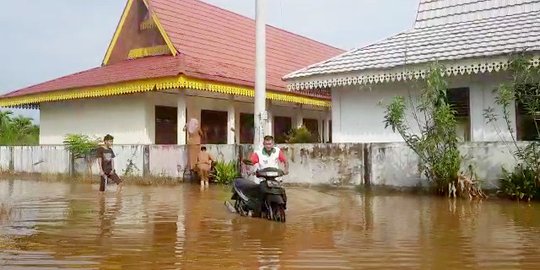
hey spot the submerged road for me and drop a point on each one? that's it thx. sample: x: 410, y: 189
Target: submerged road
x: 70, y: 226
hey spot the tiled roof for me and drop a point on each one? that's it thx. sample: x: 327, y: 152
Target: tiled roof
x: 445, y: 30
x: 224, y: 42
x: 439, y: 12
x: 212, y: 43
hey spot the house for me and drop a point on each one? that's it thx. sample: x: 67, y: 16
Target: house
x: 170, y: 61
x: 471, y: 38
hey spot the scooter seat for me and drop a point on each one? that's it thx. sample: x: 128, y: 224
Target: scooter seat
x: 248, y: 187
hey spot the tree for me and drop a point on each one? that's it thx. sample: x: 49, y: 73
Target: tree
x: 17, y: 130
x: 436, y: 143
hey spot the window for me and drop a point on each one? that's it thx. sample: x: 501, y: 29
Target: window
x: 527, y: 121
x: 458, y: 98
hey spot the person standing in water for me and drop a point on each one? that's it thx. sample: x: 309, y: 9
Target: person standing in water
x: 195, y: 135
x: 204, y: 164
x: 105, y: 160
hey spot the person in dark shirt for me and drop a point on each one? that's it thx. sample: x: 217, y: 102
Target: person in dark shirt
x: 105, y: 159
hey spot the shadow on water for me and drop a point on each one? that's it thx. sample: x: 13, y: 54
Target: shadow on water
x: 59, y: 225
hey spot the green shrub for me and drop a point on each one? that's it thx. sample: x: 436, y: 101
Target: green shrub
x: 225, y: 172
x: 81, y: 146
x: 519, y: 184
x: 523, y: 89
x: 301, y: 135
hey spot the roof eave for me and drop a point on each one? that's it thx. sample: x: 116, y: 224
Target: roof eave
x: 456, y: 67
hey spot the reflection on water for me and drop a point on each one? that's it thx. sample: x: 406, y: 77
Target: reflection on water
x: 71, y: 226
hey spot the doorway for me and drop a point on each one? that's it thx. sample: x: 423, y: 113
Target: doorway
x: 166, y: 125
x: 247, y: 130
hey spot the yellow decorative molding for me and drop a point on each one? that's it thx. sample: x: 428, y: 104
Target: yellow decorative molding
x: 197, y: 84
x: 160, y: 28
x: 148, y: 51
x: 147, y: 24
x: 138, y: 86
x: 119, y: 27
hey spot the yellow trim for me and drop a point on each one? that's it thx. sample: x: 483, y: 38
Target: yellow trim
x: 119, y: 27
x: 138, y: 86
x: 161, y: 30
x: 147, y: 24
x: 210, y: 86
x: 148, y: 51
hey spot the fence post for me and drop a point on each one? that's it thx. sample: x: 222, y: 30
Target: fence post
x: 11, y: 159
x: 146, y: 160
x: 71, y: 163
x: 367, y: 164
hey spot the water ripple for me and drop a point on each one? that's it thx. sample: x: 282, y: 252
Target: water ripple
x: 61, y: 226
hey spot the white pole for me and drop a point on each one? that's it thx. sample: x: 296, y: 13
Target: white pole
x: 260, y: 73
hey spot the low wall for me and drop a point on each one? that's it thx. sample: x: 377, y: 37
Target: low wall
x: 391, y: 164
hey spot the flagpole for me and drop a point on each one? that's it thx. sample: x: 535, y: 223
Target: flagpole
x: 260, y: 114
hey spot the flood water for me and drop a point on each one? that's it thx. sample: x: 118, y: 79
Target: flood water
x: 70, y: 226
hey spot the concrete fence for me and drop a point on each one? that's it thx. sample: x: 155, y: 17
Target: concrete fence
x: 390, y: 164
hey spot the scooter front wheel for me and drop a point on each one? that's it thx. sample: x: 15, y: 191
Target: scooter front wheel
x: 279, y: 213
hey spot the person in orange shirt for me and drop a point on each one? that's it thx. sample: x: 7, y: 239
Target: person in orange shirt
x: 204, y: 164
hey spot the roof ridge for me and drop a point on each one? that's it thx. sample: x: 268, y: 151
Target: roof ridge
x: 460, y: 40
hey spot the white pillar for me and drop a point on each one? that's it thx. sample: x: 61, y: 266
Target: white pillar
x: 231, y: 122
x: 260, y: 73
x: 320, y: 128
x: 237, y: 127
x: 269, y: 129
x: 336, y: 117
x: 327, y: 128
x: 181, y: 118
x: 299, y: 117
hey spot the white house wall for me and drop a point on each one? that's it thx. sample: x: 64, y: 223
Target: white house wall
x: 131, y: 118
x: 358, y: 113
x: 121, y: 116
x: 358, y: 116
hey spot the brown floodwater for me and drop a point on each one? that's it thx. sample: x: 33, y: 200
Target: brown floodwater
x: 70, y: 226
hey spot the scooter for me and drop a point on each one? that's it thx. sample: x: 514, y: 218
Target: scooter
x: 265, y: 200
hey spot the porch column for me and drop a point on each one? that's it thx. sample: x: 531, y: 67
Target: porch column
x: 181, y: 118
x: 299, y: 116
x: 269, y: 129
x: 320, y: 127
x: 327, y: 128
x: 231, y: 122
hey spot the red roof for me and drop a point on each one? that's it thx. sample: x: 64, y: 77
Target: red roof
x: 143, y: 68
x: 213, y: 44
x: 213, y: 34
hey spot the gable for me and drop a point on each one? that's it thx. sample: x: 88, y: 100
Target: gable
x: 220, y: 44
x: 138, y: 35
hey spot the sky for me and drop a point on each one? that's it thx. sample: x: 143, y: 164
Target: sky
x: 44, y: 40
